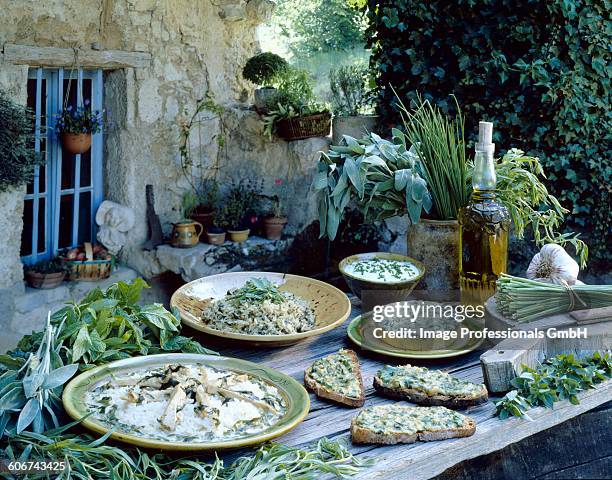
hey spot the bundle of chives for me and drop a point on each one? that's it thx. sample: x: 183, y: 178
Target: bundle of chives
x: 524, y: 300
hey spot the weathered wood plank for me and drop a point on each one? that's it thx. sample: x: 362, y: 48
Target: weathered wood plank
x: 65, y: 57
x: 416, y: 461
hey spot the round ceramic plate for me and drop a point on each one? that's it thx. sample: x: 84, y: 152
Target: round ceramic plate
x: 360, y: 333
x: 331, y: 306
x: 296, y: 398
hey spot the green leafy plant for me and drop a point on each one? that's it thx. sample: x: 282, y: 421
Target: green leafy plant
x: 30, y: 388
x: 242, y: 198
x: 521, y: 188
x: 18, y: 157
x: 89, y: 457
x: 380, y: 176
x: 532, y: 81
x: 559, y: 378
x: 439, y: 141
x: 110, y: 325
x: 258, y: 290
x: 350, y: 92
x: 55, y: 265
x: 264, y: 69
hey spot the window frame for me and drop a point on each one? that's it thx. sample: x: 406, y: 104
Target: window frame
x: 53, y: 191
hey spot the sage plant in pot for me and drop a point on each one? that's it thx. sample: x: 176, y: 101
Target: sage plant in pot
x: 264, y: 70
x: 275, y: 222
x: 76, y: 126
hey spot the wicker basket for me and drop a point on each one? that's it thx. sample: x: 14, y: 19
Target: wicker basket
x: 298, y: 128
x: 90, y: 269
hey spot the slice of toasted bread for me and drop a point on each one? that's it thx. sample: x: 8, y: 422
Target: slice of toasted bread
x: 349, y: 367
x: 391, y: 424
x: 411, y: 383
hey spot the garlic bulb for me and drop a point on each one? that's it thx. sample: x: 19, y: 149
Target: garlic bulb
x: 553, y: 265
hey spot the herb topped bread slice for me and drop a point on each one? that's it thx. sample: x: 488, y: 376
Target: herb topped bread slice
x: 390, y: 424
x: 337, y: 377
x: 428, y: 387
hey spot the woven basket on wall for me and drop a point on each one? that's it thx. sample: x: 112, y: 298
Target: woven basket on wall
x: 298, y: 128
x: 89, y: 269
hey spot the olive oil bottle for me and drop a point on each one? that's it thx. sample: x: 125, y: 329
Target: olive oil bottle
x: 483, y: 227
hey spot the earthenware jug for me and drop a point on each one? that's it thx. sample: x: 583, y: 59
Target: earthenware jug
x: 186, y: 234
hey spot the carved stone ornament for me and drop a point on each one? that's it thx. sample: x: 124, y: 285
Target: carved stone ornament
x: 115, y: 221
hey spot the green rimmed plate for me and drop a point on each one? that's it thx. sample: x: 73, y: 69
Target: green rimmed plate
x: 361, y: 334
x: 296, y: 397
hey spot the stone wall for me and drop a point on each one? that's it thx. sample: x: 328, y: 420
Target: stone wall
x: 196, y: 49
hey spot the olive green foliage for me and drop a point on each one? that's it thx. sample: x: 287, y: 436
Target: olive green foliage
x: 264, y: 69
x: 538, y: 69
x: 350, y: 90
x: 17, y: 155
x: 380, y: 176
x: 243, y: 198
x: 313, y: 26
x: 55, y: 265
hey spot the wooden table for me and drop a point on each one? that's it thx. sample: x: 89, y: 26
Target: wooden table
x: 420, y: 460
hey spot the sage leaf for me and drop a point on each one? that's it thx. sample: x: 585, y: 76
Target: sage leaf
x: 81, y: 345
x: 28, y: 414
x: 59, y: 376
x: 14, y: 399
x: 32, y: 383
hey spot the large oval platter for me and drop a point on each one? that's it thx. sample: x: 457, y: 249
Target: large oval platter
x: 331, y: 306
x: 295, y: 396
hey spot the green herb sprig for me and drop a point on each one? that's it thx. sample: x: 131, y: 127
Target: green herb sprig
x: 257, y: 290
x: 559, y: 378
x: 89, y: 457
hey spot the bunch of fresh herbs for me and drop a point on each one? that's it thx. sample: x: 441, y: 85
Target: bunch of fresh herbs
x: 559, y: 378
x: 380, y: 176
x: 31, y: 385
x: 87, y: 457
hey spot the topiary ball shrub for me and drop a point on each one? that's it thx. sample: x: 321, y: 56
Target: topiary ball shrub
x: 264, y: 69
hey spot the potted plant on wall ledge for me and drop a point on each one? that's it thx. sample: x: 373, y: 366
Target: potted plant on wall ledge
x: 275, y: 222
x: 265, y: 70
x: 295, y: 114
x: 199, y: 204
x: 46, y: 274
x: 241, y: 203
x: 76, y: 126
x: 352, y: 101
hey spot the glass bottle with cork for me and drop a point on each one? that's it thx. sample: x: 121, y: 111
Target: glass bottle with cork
x: 483, y: 227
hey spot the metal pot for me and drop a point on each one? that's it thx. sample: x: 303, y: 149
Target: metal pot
x: 185, y: 234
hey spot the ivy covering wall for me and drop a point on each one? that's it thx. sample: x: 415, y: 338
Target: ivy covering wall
x: 539, y: 69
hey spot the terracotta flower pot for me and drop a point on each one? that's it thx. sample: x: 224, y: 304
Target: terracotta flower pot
x: 76, y: 143
x: 273, y: 227
x: 203, y: 218
x: 44, y: 280
x: 215, y: 238
x: 239, y: 236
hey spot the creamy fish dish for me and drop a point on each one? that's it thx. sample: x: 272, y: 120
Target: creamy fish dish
x: 383, y: 270
x: 186, y: 403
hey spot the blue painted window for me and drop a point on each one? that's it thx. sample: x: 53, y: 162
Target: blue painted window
x: 61, y: 201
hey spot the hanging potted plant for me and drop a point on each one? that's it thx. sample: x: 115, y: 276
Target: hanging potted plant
x: 295, y: 114
x: 275, y: 222
x: 76, y: 126
x: 46, y: 274
x: 352, y: 102
x: 265, y: 70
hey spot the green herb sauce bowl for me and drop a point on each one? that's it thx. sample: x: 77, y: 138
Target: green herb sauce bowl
x: 374, y: 292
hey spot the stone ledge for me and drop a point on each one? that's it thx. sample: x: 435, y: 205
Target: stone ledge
x: 205, y: 259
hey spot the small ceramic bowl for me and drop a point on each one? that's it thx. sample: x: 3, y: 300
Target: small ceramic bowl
x: 373, y: 292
